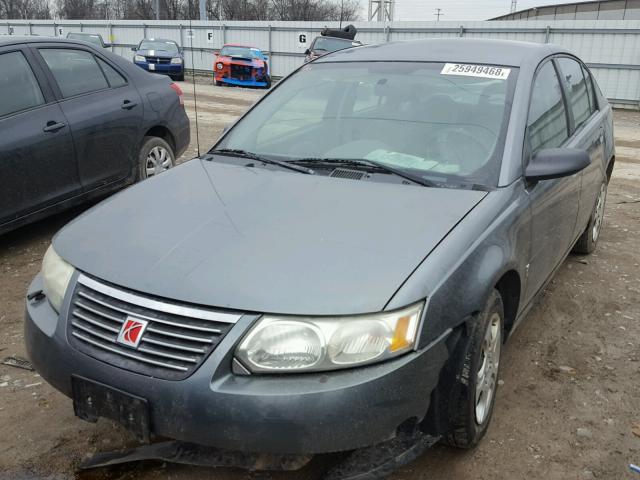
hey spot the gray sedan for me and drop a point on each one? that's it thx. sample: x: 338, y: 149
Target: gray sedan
x: 346, y: 262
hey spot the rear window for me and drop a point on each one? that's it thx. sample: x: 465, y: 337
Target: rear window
x: 76, y: 71
x: 19, y: 89
x: 114, y: 78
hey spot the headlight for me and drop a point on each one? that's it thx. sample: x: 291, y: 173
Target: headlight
x: 56, y: 274
x: 139, y: 58
x: 176, y: 61
x: 219, y: 66
x: 281, y: 344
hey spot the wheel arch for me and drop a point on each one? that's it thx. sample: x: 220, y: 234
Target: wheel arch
x: 164, y: 133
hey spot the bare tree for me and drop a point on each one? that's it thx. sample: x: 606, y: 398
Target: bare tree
x: 286, y: 10
x: 25, y: 9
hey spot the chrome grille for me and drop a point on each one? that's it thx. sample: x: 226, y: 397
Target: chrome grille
x: 158, y: 60
x: 176, y: 341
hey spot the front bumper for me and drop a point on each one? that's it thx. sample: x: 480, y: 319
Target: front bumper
x: 242, y: 83
x: 303, y: 413
x: 168, y: 68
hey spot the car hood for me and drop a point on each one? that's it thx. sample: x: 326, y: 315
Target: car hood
x: 157, y: 53
x: 252, y: 62
x: 263, y: 240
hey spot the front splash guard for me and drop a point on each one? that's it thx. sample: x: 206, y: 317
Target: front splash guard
x: 370, y: 463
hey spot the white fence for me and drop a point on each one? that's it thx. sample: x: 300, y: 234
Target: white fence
x: 610, y: 48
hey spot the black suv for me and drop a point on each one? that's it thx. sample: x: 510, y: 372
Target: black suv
x: 77, y: 122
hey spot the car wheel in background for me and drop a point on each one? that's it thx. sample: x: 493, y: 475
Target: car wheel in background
x: 156, y: 156
x: 589, y: 238
x: 268, y: 85
x: 474, y: 395
x: 180, y: 78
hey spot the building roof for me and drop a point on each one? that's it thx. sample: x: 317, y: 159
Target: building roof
x: 462, y: 50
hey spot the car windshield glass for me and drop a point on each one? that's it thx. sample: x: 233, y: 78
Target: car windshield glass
x: 444, y: 126
x: 170, y: 47
x: 331, y: 44
x: 244, y: 52
x: 95, y: 39
x: 327, y: 44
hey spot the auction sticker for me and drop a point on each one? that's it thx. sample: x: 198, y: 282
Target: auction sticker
x: 484, y: 71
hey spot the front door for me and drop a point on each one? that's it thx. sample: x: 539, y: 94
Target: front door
x: 554, y: 203
x: 37, y: 160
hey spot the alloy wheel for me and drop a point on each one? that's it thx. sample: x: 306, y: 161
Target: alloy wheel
x: 158, y: 160
x: 598, y: 214
x: 487, y: 375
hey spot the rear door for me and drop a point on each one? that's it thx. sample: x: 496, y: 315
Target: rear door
x: 103, y: 108
x: 554, y: 203
x: 37, y: 159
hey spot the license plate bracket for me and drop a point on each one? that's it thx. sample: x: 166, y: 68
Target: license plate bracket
x: 92, y: 400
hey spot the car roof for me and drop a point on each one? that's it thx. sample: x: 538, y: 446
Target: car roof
x: 462, y: 50
x: 238, y: 45
x: 17, y: 39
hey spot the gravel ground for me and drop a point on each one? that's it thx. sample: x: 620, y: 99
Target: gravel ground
x: 570, y: 389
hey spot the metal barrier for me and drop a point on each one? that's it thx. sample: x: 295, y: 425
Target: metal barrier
x: 611, y: 48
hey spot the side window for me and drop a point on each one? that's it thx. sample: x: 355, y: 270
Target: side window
x: 547, y: 123
x: 576, y: 87
x: 75, y: 71
x: 19, y: 89
x: 114, y: 78
x: 593, y: 101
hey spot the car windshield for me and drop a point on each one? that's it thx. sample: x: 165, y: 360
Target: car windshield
x: 95, y: 39
x: 161, y: 45
x: 445, y: 126
x: 244, y: 52
x: 327, y: 44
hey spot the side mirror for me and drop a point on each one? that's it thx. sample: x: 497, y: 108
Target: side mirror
x: 265, y: 58
x: 106, y: 45
x: 307, y: 51
x: 134, y: 49
x: 556, y: 163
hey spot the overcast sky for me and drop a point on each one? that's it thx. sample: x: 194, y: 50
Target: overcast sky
x: 459, y: 9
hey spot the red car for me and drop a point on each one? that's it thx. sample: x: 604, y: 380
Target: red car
x: 241, y: 65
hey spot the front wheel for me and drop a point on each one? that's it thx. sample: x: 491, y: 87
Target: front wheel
x: 156, y: 156
x: 477, y: 377
x: 268, y: 81
x: 589, y: 238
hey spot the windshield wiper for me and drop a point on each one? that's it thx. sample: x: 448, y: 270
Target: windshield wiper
x: 254, y: 156
x: 354, y: 162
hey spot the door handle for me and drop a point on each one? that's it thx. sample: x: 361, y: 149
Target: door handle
x: 128, y: 105
x: 53, y: 126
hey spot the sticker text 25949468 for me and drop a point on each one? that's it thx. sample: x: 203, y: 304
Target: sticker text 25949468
x: 484, y: 71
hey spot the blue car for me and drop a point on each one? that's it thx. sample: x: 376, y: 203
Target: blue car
x: 160, y: 56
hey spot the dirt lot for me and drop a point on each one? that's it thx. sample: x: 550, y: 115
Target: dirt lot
x: 570, y: 391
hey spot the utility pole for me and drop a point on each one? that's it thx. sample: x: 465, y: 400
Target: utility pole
x: 157, y: 8
x: 438, y: 14
x: 341, y: 12
x: 203, y: 9
x: 381, y: 10
x: 514, y: 5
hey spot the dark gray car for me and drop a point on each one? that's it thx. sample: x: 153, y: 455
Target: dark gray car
x: 77, y: 122
x: 346, y: 262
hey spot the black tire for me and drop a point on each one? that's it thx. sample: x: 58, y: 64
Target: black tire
x: 180, y: 78
x: 268, y: 85
x: 466, y: 429
x: 148, y: 144
x: 587, y: 242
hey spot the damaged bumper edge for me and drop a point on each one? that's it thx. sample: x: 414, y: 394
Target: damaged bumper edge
x: 285, y: 414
